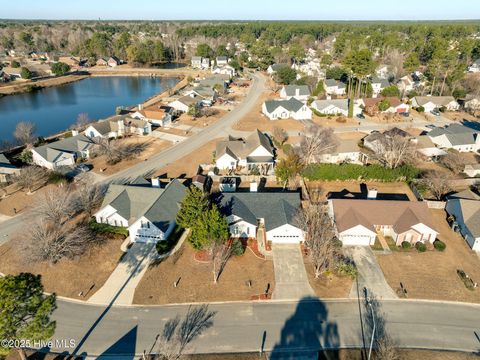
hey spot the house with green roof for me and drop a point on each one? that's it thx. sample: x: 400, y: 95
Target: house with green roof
x: 149, y: 213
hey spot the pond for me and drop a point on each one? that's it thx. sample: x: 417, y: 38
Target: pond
x: 54, y: 109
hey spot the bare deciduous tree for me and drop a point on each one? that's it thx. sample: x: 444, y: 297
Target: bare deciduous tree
x: 116, y: 151
x: 316, y: 141
x: 319, y: 237
x: 56, y: 205
x: 178, y: 334
x: 25, y: 132
x: 438, y: 183
x: 82, y: 120
x: 220, y: 252
x: 280, y: 135
x: 31, y: 178
x: 393, y: 151
x: 88, y: 195
x: 453, y: 161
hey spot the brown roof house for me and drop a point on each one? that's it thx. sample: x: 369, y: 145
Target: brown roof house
x: 157, y: 115
x: 359, y: 221
x: 371, y: 105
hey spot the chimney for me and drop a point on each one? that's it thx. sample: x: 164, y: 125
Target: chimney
x: 140, y: 107
x: 372, y: 194
x: 297, y: 92
x: 155, y: 182
x: 74, y: 132
x: 253, y: 186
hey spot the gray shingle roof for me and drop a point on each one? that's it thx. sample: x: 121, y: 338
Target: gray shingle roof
x: 238, y: 148
x: 291, y: 90
x: 289, y: 105
x: 437, y: 100
x: 160, y: 206
x: 457, y: 134
x: 470, y: 213
x: 70, y: 145
x: 331, y: 82
x: 276, y: 209
x: 339, y: 103
x: 4, y: 162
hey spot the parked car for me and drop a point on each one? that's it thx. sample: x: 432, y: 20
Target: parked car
x: 430, y: 126
x: 361, y: 116
x: 435, y: 112
x: 404, y: 114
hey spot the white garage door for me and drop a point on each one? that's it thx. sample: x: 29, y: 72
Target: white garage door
x: 286, y: 239
x: 356, y: 240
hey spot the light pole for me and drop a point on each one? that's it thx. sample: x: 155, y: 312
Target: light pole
x: 367, y: 299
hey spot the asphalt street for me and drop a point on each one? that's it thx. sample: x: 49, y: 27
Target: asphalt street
x: 309, y: 324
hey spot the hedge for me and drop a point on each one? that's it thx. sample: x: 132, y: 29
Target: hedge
x: 439, y: 245
x: 107, y: 229
x: 406, y: 245
x: 421, y: 247
x: 356, y: 172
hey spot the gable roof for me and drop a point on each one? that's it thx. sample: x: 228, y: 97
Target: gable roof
x: 393, y: 100
x: 338, y: 103
x: 466, y: 194
x: 160, y: 206
x: 276, y: 209
x: 383, y: 82
x: 289, y: 105
x: 4, y: 162
x: 470, y: 210
x: 276, y: 67
x: 452, y: 129
x: 291, y: 90
x: 437, y: 100
x: 154, y: 112
x: 402, y: 215
x: 240, y: 149
x: 70, y: 145
x: 105, y: 126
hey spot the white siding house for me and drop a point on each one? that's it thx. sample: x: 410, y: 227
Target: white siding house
x: 285, y: 109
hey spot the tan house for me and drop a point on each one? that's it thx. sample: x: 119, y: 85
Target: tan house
x: 7, y: 170
x: 358, y: 222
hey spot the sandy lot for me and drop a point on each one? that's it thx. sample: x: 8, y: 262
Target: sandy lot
x: 432, y: 275
x: 67, y: 277
x: 153, y: 146
x: 188, y: 165
x: 320, y: 189
x: 196, y: 283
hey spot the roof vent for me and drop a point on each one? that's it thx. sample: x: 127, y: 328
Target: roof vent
x: 253, y: 186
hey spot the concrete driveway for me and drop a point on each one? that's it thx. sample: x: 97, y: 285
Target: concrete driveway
x: 291, y: 281
x: 370, y: 275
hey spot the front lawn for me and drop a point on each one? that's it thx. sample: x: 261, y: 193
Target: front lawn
x: 195, y: 279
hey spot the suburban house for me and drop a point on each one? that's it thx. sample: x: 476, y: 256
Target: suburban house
x: 334, y: 87
x: 456, y: 136
x: 155, y: 114
x: 207, y: 94
x: 105, y: 129
x: 149, y: 213
x: 113, y: 61
x: 472, y: 170
x: 375, y: 140
x: 335, y: 107
x: 272, y: 212
x: 7, y: 170
x: 347, y: 151
x: 196, y: 62
x: 426, y: 148
x: 310, y: 67
x: 475, y: 67
x: 137, y: 126
x: 299, y: 92
x: 63, y: 152
x: 183, y: 104
x: 465, y: 216
x: 383, y: 71
x: 102, y: 62
x: 430, y: 103
x: 378, y: 85
x: 284, y: 109
x: 224, y: 70
x: 222, y: 60
x: 406, y: 84
x: 272, y: 69
x: 255, y: 151
x: 371, y: 105
x: 358, y: 222
x: 216, y: 81
x: 472, y: 105
x: 205, y: 63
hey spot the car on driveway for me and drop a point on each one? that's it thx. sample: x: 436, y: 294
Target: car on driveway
x: 404, y: 114
x: 435, y: 112
x: 430, y: 126
x: 361, y: 116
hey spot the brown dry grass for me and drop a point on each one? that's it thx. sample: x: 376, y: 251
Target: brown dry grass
x: 328, y: 286
x: 67, y: 277
x: 331, y: 121
x: 196, y: 283
x: 432, y: 275
x: 153, y: 146
x: 459, y: 116
x: 21, y: 201
x: 188, y: 165
x: 322, y: 188
x: 203, y: 121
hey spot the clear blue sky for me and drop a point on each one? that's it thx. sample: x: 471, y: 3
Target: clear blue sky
x: 242, y: 9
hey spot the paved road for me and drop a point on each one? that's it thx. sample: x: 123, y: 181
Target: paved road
x: 291, y: 282
x: 370, y: 275
x: 239, y: 327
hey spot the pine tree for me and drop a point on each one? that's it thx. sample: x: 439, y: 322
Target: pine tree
x: 192, y: 206
x: 210, y: 227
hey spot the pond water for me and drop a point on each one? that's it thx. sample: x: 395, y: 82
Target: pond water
x: 54, y: 109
